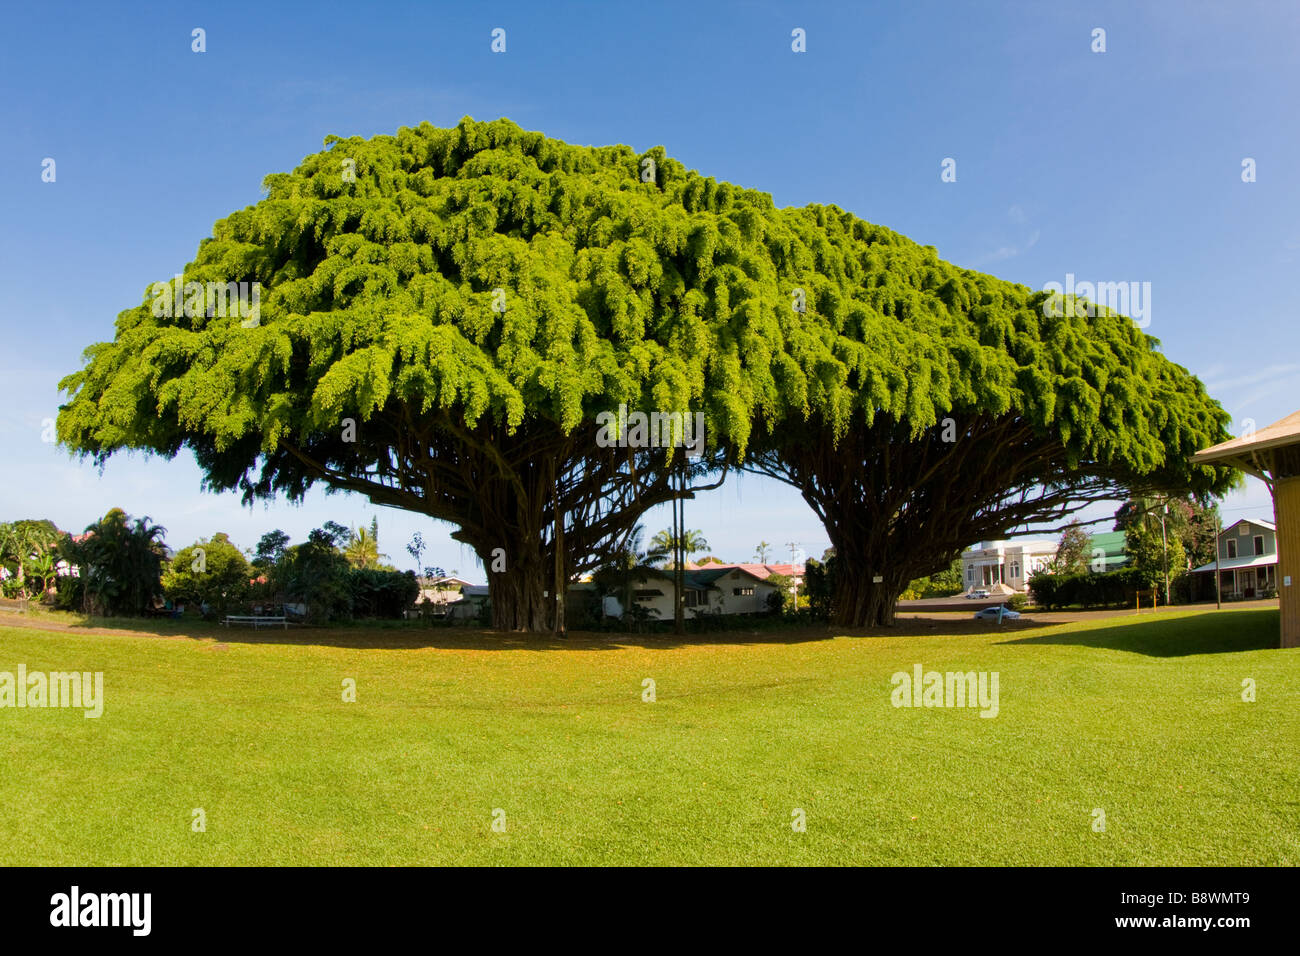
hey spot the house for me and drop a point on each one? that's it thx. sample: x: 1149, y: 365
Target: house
x: 1247, y: 559
x: 794, y: 572
x: 440, y: 592
x: 714, y: 589
x: 473, y: 598
x: 1004, y: 567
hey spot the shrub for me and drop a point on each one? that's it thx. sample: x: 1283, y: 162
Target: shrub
x: 212, y: 572
x: 386, y: 594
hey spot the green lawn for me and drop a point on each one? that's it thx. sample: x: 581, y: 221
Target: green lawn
x: 1142, y: 720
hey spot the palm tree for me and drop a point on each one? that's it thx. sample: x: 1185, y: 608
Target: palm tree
x: 121, y: 563
x: 693, y: 542
x: 27, y: 544
x: 362, y: 551
x: 763, y: 552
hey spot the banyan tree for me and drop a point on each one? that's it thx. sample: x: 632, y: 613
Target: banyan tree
x: 446, y: 320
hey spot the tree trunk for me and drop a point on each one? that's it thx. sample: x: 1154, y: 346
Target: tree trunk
x: 859, y: 600
x: 518, y: 594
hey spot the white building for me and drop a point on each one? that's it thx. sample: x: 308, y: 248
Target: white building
x: 715, y: 589
x: 1004, y: 567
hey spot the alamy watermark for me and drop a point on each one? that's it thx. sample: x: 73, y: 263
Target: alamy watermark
x: 924, y: 688
x: 1132, y: 299
x: 75, y: 908
x: 651, y: 430
x: 175, y: 298
x: 55, y: 689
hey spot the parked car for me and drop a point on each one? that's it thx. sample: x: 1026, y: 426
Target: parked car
x: 1001, y: 612
x: 978, y: 593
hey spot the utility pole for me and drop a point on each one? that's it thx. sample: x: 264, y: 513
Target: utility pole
x: 794, y: 551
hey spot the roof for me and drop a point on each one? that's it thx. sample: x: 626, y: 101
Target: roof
x: 760, y: 571
x: 1107, y: 538
x: 444, y: 583
x: 1001, y: 546
x: 1237, y: 524
x: 1245, y: 561
x: 1280, y: 433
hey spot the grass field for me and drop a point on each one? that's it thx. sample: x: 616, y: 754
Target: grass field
x: 1141, y: 718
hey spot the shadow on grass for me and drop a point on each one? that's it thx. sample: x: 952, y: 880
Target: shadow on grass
x: 1210, y: 632
x: 398, y: 636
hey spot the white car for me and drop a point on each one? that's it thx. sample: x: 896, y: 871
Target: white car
x: 999, y: 613
x: 981, y: 593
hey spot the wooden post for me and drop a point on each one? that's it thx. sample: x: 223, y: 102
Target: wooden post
x: 1286, y: 509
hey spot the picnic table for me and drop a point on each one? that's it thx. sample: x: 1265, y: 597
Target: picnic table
x: 256, y: 620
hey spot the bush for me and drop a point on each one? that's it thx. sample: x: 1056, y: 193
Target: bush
x: 1017, y: 602
x: 212, y: 572
x: 1086, y: 589
x: 819, y: 584
x: 781, y: 600
x: 386, y: 594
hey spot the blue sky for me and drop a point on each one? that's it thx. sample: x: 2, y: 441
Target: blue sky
x: 1116, y: 166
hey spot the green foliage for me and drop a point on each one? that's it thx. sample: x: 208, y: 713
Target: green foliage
x: 27, y: 550
x: 819, y: 586
x: 1074, y: 551
x: 270, y: 549
x: 383, y: 594
x: 677, y: 291
x: 1154, y: 532
x: 315, y: 573
x: 943, y: 583
x: 782, y: 600
x: 212, y: 572
x: 1188, y: 522
x: 362, y: 549
x: 693, y: 541
x: 121, y: 564
x: 1086, y: 588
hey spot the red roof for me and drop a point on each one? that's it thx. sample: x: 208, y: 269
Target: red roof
x: 762, y: 571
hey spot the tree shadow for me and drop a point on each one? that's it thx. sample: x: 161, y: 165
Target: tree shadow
x: 377, y: 636
x: 1210, y: 632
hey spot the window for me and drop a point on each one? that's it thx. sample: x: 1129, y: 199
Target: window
x: 692, y: 598
x: 742, y: 592
x: 1232, y: 548
x: 1259, y: 544
x: 1015, y: 570
x: 970, y: 574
